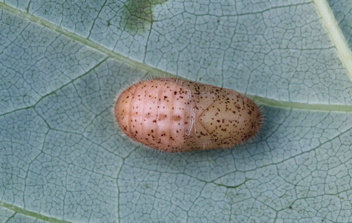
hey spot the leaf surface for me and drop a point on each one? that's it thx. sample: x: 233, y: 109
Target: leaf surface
x: 63, y: 159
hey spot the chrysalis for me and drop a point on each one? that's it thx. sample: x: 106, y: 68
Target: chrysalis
x: 174, y: 115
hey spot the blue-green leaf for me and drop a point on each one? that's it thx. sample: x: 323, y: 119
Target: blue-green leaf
x: 63, y: 158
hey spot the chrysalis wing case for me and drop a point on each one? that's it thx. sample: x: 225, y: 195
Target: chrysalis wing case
x: 174, y: 115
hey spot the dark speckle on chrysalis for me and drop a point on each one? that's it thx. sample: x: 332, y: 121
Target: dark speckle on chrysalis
x: 174, y: 115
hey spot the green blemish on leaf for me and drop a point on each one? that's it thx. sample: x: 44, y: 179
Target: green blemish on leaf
x: 139, y: 13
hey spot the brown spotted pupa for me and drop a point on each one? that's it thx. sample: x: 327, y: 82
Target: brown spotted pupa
x: 175, y: 115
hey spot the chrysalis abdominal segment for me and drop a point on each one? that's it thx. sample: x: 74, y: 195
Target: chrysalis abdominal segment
x: 174, y: 115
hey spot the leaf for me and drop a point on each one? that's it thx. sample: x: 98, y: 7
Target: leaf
x: 63, y: 159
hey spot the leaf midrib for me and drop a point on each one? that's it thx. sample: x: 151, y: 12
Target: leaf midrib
x: 336, y: 35
x: 322, y: 6
x: 19, y: 210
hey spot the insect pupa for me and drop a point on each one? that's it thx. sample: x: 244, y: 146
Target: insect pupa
x: 175, y: 115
